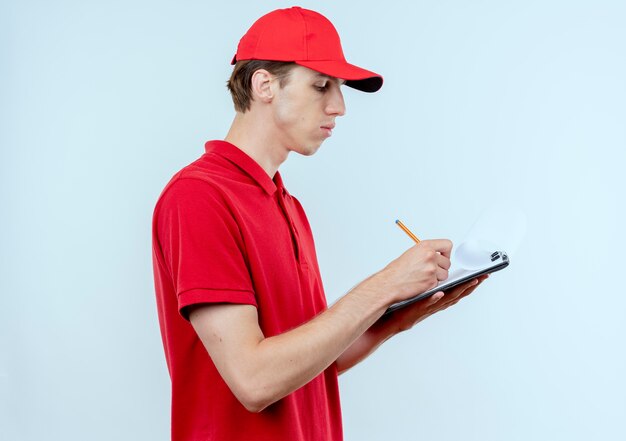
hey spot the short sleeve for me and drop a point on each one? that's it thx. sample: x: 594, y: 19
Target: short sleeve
x: 202, y: 246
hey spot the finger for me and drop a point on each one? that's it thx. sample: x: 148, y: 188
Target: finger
x: 458, y: 291
x: 443, y: 261
x: 453, y: 296
x: 468, y: 290
x: 464, y: 294
x: 452, y: 300
x: 422, y: 309
x: 433, y: 302
x: 442, y: 246
x: 435, y: 298
x: 442, y: 274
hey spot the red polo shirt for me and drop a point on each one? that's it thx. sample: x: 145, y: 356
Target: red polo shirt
x: 225, y: 232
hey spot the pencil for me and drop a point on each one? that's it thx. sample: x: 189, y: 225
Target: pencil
x: 407, y: 231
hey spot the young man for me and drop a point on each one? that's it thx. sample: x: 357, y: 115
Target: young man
x: 252, y: 348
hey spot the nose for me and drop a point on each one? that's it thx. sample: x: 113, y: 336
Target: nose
x: 336, y: 105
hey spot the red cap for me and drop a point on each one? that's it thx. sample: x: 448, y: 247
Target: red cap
x: 306, y: 38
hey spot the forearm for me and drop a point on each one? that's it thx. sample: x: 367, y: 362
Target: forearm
x: 367, y: 343
x: 263, y: 370
x: 288, y: 361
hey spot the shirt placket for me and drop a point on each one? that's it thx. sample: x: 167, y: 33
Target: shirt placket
x: 295, y: 237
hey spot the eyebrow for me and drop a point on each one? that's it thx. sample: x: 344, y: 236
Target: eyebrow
x: 321, y: 75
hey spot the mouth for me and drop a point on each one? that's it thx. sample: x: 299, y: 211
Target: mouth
x: 328, y: 128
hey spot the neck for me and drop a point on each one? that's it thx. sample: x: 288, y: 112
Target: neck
x: 250, y: 134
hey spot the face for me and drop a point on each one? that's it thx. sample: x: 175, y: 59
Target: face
x: 305, y: 108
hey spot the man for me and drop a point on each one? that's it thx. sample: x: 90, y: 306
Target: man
x: 252, y: 348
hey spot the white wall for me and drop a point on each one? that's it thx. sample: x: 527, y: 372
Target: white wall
x: 484, y: 101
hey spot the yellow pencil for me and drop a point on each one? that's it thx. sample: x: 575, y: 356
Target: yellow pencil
x: 407, y: 231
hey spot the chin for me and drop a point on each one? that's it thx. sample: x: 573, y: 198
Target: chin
x: 308, y: 150
x: 311, y: 151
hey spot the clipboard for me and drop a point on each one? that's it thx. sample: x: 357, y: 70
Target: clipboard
x: 497, y: 261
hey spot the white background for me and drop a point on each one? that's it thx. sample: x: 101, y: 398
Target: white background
x: 486, y: 101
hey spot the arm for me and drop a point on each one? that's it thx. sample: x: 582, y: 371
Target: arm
x: 260, y: 370
x: 400, y: 321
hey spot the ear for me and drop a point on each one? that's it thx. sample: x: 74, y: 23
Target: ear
x: 261, y: 86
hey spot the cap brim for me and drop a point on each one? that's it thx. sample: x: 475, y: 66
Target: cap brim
x: 356, y: 77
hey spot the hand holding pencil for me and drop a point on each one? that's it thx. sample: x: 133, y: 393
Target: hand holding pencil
x: 420, y: 268
x: 417, y: 270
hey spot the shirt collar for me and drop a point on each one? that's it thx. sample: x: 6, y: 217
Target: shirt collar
x: 245, y: 163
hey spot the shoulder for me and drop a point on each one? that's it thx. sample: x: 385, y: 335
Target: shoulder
x: 196, y: 182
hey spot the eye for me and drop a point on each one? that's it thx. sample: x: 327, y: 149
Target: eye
x: 321, y: 87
